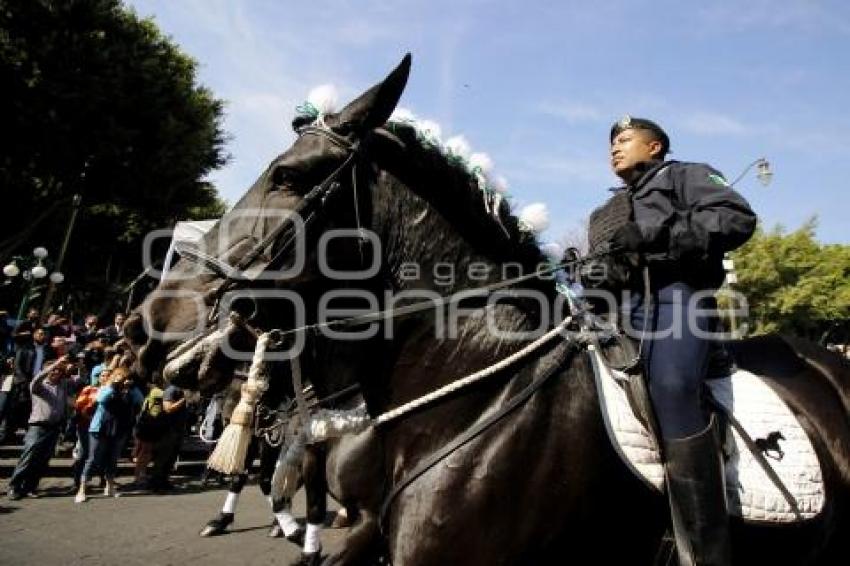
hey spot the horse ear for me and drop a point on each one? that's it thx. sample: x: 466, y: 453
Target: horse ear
x: 373, y: 108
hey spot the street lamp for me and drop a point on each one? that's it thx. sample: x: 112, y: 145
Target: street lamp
x: 51, y: 288
x: 31, y: 269
x: 731, y: 279
x: 39, y: 271
x: 765, y: 176
x: 763, y: 172
x: 11, y: 269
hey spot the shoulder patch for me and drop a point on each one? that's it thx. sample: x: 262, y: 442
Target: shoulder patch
x: 718, y: 180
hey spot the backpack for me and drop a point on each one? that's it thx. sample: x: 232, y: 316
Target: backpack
x: 151, y: 423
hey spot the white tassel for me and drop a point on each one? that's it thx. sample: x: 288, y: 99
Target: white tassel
x: 231, y: 449
x: 534, y: 217
x: 324, y: 98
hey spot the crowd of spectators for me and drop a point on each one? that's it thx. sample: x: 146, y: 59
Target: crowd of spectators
x: 73, y: 384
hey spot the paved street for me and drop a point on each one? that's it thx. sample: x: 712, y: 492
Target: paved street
x: 137, y: 528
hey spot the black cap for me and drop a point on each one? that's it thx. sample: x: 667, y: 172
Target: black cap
x: 630, y: 123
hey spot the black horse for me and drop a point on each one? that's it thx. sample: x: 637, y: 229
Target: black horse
x: 542, y: 485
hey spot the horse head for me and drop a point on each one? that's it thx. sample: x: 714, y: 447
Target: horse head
x: 259, y: 248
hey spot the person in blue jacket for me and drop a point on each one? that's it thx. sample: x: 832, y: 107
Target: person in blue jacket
x: 117, y: 403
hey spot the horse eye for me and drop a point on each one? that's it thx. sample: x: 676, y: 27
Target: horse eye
x: 285, y: 176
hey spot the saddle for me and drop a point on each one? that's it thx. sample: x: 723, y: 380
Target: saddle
x: 773, y: 474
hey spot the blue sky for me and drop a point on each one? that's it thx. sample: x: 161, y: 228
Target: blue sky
x: 536, y: 85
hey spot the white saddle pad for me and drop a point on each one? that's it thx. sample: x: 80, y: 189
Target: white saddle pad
x: 750, y: 492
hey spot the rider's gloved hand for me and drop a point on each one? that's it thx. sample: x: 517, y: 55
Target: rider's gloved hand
x: 628, y: 237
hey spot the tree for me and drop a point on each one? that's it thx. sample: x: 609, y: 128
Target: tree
x: 97, y: 101
x: 793, y: 284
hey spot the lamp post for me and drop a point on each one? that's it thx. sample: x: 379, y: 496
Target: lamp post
x: 51, y: 287
x: 765, y: 176
x: 32, y: 269
x: 731, y: 279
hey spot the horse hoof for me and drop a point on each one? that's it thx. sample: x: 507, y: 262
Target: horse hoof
x: 275, y: 531
x: 218, y: 525
x: 211, y: 531
x: 297, y: 537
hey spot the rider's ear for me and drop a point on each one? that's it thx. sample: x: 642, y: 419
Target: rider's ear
x: 373, y: 108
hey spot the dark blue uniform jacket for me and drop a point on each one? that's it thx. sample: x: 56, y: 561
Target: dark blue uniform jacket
x: 689, y: 216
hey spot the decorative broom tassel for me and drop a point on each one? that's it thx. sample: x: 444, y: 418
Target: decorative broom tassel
x: 232, y: 447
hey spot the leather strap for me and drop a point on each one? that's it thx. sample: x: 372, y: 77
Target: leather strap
x: 515, y: 402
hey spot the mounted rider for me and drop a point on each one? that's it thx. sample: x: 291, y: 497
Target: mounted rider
x: 671, y: 224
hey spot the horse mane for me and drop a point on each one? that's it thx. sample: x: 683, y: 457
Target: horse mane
x: 457, y: 189
x: 459, y: 192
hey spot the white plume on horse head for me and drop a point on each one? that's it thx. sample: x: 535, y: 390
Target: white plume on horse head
x: 553, y: 250
x: 481, y: 161
x: 499, y: 184
x: 430, y: 132
x: 324, y: 98
x: 458, y: 146
x: 403, y: 116
x: 535, y: 217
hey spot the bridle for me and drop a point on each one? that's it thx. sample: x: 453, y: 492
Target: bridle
x: 288, y: 231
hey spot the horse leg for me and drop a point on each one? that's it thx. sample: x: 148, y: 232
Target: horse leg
x: 218, y: 525
x: 354, y: 472
x: 283, y: 523
x: 316, y: 490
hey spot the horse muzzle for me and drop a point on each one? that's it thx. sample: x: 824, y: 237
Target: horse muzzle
x: 204, y: 363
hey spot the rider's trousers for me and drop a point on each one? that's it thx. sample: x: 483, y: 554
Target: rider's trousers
x: 674, y: 353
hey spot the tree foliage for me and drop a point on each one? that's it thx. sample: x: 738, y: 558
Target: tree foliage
x: 96, y: 101
x: 794, y: 284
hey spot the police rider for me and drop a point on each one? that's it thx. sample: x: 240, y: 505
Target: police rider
x: 681, y: 218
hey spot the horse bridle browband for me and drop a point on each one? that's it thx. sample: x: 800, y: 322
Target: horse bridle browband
x: 318, y: 195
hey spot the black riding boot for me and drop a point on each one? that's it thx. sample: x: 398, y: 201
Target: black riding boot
x: 696, y: 487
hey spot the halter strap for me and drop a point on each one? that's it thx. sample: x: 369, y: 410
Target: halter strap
x: 318, y: 194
